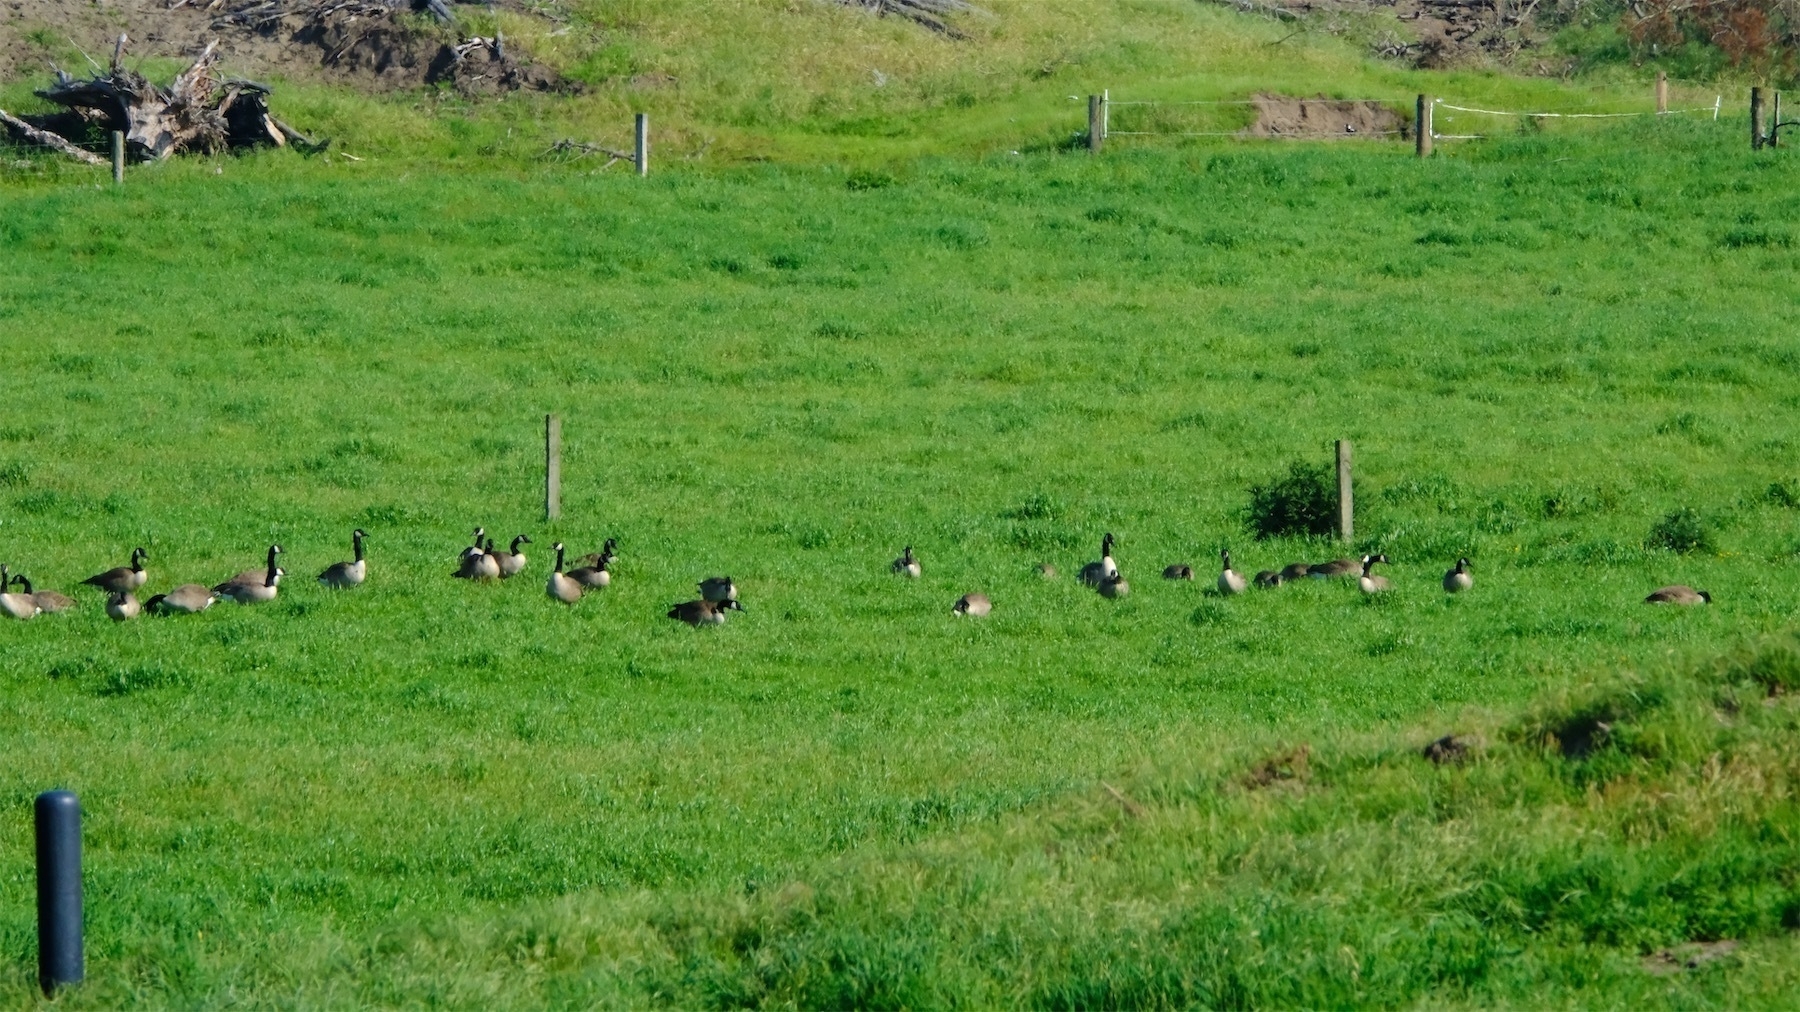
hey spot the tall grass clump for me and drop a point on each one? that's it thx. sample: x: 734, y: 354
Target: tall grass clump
x: 1683, y: 532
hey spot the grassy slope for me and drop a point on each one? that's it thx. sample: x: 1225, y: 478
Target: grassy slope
x: 767, y: 372
x: 797, y: 81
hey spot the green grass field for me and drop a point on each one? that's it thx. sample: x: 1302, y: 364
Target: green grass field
x: 426, y: 792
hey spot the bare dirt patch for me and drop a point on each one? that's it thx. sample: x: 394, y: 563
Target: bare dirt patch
x: 1322, y: 118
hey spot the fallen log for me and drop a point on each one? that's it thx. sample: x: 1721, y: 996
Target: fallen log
x: 198, y: 111
x: 48, y: 139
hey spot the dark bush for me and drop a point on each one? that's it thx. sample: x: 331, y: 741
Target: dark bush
x: 1303, y: 501
x: 1681, y: 532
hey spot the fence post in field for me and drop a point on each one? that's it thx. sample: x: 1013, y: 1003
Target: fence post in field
x: 641, y: 153
x: 1346, y: 507
x: 57, y: 815
x: 1756, y: 119
x: 1095, y: 134
x: 1662, y: 92
x: 1775, y: 123
x: 1422, y: 127
x: 552, y: 467
x: 118, y: 153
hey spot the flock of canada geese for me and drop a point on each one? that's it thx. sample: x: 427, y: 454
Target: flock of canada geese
x: 718, y: 594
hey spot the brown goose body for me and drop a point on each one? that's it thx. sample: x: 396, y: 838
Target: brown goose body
x: 973, y: 605
x: 1094, y: 572
x: 122, y: 577
x: 703, y: 612
x: 593, y: 577
x: 604, y: 558
x: 1335, y: 568
x: 1178, y: 571
x: 1114, y: 586
x: 51, y: 602
x: 121, y: 606
x: 1678, y: 594
x: 1269, y: 578
x: 187, y: 599
x: 1294, y: 571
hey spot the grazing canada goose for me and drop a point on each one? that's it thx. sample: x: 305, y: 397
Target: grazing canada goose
x: 560, y: 586
x: 478, y: 562
x: 187, y: 599
x: 257, y: 576
x: 1179, y: 571
x: 604, y: 558
x: 1336, y: 567
x: 1230, y: 581
x: 1046, y: 571
x: 1370, y: 583
x: 1294, y: 571
x: 976, y: 605
x: 1458, y: 580
x: 120, y: 605
x: 253, y: 587
x: 19, y: 606
x: 1114, y: 586
x: 1269, y: 578
x: 342, y: 575
x: 1094, y: 572
x: 906, y: 565
x: 513, y: 562
x: 1678, y: 594
x: 703, y: 612
x: 593, y: 576
x: 718, y: 588
x: 123, y: 577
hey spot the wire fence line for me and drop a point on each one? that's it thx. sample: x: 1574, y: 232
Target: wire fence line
x: 1350, y: 131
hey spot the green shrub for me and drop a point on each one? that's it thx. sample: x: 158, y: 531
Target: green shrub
x: 1682, y: 532
x: 1303, y: 501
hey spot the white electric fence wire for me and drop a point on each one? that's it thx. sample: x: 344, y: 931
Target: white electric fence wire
x: 1441, y: 104
x: 1256, y: 101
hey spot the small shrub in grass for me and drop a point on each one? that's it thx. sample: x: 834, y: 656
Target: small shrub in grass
x: 1301, y: 502
x: 1774, y: 665
x: 1682, y: 532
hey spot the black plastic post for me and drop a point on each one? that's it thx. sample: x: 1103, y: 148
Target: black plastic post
x: 59, y: 890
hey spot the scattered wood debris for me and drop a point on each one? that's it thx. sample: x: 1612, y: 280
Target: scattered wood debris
x: 573, y: 151
x: 200, y: 111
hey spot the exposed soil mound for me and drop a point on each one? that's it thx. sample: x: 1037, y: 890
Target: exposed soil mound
x: 372, y: 45
x: 1286, y: 116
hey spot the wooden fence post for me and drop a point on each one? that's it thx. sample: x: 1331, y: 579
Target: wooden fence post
x: 1095, y: 134
x: 1756, y: 119
x: 1422, y: 127
x: 1775, y: 123
x: 642, y: 152
x: 118, y: 155
x: 552, y: 467
x: 1346, y: 507
x: 1662, y: 93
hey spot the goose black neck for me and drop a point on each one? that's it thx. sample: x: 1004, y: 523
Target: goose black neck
x: 23, y: 582
x: 137, y: 560
x: 559, y: 558
x: 356, y: 542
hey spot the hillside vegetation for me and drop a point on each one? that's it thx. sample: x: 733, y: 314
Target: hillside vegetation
x: 809, y: 80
